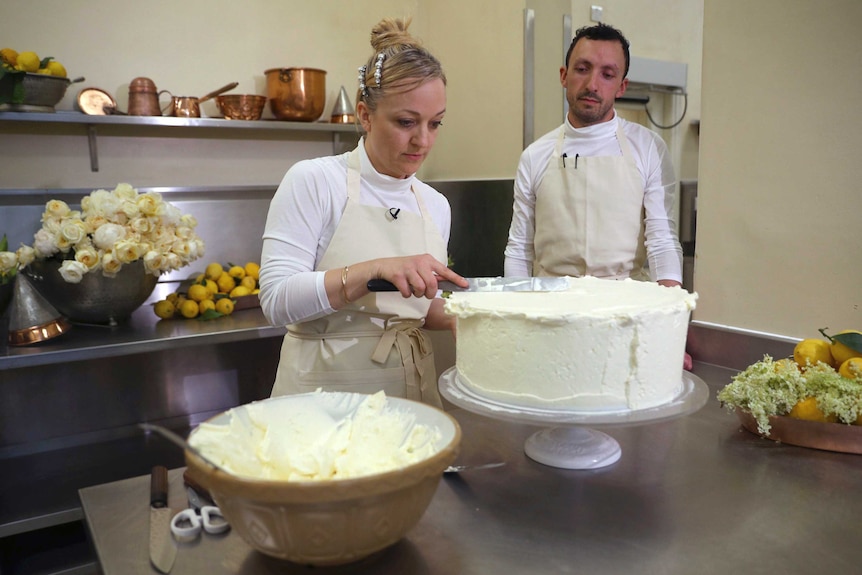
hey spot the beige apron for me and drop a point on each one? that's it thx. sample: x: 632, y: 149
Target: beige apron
x: 374, y: 343
x: 590, y: 216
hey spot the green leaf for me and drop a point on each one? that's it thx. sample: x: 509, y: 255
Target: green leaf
x: 4, y: 244
x: 209, y: 314
x: 851, y: 340
x: 44, y: 61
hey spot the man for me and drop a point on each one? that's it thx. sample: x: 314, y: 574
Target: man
x: 595, y: 196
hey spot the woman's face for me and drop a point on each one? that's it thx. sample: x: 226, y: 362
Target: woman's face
x: 403, y: 128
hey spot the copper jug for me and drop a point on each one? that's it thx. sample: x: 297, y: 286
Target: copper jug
x: 143, y: 98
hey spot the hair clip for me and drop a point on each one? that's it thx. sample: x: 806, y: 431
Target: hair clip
x: 378, y: 68
x: 362, y: 70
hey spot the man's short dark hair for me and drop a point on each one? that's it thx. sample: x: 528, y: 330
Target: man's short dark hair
x: 601, y: 31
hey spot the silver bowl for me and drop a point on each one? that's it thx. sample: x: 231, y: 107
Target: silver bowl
x: 40, y: 92
x: 96, y: 299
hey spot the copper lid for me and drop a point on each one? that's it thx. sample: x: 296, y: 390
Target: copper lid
x: 142, y: 85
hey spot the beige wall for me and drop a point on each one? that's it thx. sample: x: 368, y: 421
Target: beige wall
x: 193, y: 47
x: 779, y: 202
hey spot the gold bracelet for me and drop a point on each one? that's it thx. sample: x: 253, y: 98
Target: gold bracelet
x: 344, y: 284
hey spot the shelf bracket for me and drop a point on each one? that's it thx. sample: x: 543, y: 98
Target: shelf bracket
x: 94, y: 152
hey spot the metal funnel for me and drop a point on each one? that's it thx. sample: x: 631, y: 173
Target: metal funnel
x: 342, y: 111
x: 31, y: 318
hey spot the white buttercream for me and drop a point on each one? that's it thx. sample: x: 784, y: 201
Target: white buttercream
x: 603, y: 344
x: 316, y: 437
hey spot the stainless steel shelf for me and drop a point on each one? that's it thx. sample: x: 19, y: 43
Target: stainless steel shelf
x: 341, y: 133
x: 142, y: 333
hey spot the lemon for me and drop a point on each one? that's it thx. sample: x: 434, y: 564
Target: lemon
x: 198, y: 293
x: 224, y: 305
x: 807, y: 409
x: 164, y: 309
x: 214, y: 270
x: 190, y: 309
x: 9, y: 56
x: 240, y: 291
x: 851, y: 368
x: 211, y: 286
x: 172, y: 297
x: 840, y: 352
x: 206, y: 305
x: 810, y: 351
x: 56, y: 69
x: 225, y: 282
x: 237, y: 272
x: 248, y: 282
x: 28, y: 61
x: 252, y: 269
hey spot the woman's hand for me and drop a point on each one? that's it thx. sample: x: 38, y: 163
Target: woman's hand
x: 414, y: 276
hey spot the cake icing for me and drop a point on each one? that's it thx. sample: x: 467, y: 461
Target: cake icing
x: 312, y: 438
x: 601, y: 345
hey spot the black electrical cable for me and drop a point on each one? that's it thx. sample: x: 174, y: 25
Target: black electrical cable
x: 675, y: 124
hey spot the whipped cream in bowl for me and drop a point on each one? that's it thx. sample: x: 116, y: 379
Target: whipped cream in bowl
x: 302, y: 477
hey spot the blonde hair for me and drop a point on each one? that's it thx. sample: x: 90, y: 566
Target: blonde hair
x: 399, y: 62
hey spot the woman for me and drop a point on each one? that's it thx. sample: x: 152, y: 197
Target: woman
x: 337, y: 222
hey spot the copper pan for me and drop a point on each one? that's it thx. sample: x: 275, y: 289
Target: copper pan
x: 296, y: 94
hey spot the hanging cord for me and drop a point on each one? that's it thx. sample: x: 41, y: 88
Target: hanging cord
x: 684, y: 110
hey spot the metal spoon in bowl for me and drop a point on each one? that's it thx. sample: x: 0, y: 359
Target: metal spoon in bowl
x: 468, y: 467
x: 174, y: 438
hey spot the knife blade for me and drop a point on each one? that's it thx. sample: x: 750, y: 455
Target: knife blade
x: 162, y: 549
x: 535, y: 284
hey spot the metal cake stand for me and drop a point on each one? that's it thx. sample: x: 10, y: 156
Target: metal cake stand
x: 567, y: 441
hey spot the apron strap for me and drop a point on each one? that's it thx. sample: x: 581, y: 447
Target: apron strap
x: 414, y: 347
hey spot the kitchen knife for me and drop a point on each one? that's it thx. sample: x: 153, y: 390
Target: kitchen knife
x: 540, y: 284
x: 162, y: 549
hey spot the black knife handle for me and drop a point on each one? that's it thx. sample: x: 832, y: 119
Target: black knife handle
x: 159, y: 487
x: 381, y: 285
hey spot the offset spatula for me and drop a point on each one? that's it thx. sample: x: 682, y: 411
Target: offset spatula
x: 540, y: 284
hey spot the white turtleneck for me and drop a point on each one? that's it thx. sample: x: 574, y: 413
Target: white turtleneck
x: 664, y: 253
x: 304, y: 213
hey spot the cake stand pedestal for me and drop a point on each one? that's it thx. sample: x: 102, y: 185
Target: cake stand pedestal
x: 567, y: 441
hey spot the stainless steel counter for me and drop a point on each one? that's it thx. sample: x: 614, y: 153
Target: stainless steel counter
x: 691, y: 495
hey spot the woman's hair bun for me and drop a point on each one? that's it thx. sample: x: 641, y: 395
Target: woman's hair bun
x: 391, y: 32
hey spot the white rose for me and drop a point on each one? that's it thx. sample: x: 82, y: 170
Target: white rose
x: 130, y: 208
x: 26, y: 255
x: 107, y: 235
x: 125, y: 191
x: 55, y: 209
x: 171, y: 215
x: 127, y: 251
x: 154, y: 261
x: 72, y: 271
x: 45, y: 243
x: 189, y: 221
x: 73, y: 231
x: 8, y: 262
x: 150, y: 204
x: 88, y: 256
x: 141, y: 225
x: 110, y: 265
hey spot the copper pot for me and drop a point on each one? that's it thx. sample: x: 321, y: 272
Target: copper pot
x: 296, y: 94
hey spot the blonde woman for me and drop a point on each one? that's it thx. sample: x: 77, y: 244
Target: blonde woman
x: 336, y: 222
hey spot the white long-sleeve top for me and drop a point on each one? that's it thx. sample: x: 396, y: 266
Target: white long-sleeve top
x: 664, y: 253
x: 303, y: 215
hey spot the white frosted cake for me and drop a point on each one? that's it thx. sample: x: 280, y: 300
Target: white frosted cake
x: 601, y: 345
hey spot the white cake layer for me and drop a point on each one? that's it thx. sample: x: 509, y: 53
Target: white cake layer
x: 603, y: 344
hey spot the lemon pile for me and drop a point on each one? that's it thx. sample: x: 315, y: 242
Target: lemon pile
x: 31, y: 62
x: 213, y: 293
x: 821, y: 382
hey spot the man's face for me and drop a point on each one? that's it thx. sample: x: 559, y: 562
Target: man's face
x: 593, y: 79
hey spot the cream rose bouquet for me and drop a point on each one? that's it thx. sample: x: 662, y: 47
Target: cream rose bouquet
x: 10, y: 262
x: 115, y: 228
